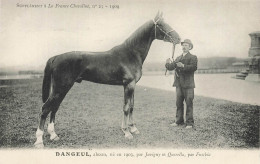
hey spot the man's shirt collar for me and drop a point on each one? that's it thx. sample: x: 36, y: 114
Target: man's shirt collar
x: 184, y: 53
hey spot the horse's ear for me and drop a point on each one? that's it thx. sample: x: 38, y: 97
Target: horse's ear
x: 157, y: 15
x: 161, y: 14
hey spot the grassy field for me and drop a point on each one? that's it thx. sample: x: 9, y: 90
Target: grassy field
x: 90, y: 117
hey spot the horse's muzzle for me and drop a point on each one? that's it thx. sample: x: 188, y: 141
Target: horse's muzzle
x: 174, y: 37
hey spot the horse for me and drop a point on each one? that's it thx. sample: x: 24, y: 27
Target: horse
x: 121, y: 65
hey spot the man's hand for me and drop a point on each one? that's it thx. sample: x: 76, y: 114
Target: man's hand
x: 180, y: 64
x: 168, y: 61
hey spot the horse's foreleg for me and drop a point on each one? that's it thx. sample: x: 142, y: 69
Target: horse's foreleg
x: 132, y: 126
x: 128, y: 93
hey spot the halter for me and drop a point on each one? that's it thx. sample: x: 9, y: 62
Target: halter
x: 166, y: 33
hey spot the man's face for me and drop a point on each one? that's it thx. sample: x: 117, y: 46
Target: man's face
x: 185, y: 47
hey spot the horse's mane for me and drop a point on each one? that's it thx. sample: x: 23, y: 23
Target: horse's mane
x: 138, y: 34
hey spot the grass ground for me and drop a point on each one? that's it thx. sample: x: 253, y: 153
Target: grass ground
x: 90, y: 117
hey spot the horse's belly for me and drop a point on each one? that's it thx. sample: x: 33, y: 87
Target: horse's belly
x: 103, y: 76
x: 110, y: 82
x: 104, y: 81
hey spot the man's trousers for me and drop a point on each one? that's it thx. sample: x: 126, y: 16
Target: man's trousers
x: 186, y: 94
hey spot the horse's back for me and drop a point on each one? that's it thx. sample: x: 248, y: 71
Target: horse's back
x: 114, y: 67
x: 109, y: 67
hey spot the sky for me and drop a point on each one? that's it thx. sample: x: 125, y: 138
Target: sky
x: 29, y: 36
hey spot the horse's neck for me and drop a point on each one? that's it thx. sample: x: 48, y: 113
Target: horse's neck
x: 144, y: 47
x: 141, y: 40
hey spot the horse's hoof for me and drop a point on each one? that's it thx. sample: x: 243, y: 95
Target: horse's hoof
x: 129, y: 136
x: 127, y: 133
x: 55, y: 138
x: 134, y: 130
x: 39, y: 145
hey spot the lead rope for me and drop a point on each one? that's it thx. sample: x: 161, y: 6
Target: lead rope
x: 173, y: 50
x: 166, y: 34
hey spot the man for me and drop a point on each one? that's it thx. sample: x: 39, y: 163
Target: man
x: 185, y: 66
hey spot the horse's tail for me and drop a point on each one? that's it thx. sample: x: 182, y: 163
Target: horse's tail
x: 46, y: 81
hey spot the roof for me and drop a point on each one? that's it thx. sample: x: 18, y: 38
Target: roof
x: 255, y: 33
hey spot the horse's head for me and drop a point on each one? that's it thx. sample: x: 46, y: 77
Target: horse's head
x: 163, y: 31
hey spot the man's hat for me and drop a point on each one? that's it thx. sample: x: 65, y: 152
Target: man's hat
x: 189, y: 42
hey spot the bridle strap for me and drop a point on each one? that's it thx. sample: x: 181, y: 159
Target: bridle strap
x: 166, y: 33
x: 155, y: 24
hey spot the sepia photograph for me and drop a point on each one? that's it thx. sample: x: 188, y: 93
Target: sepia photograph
x: 157, y: 80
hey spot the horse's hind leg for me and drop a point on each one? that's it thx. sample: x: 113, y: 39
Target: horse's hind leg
x: 46, y: 109
x: 59, y: 97
x: 39, y: 133
x: 51, y: 129
x: 51, y: 105
x: 59, y: 92
x: 132, y: 126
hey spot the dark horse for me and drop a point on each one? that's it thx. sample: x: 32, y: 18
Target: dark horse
x: 122, y: 65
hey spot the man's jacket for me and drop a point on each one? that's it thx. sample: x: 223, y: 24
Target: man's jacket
x: 184, y: 76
